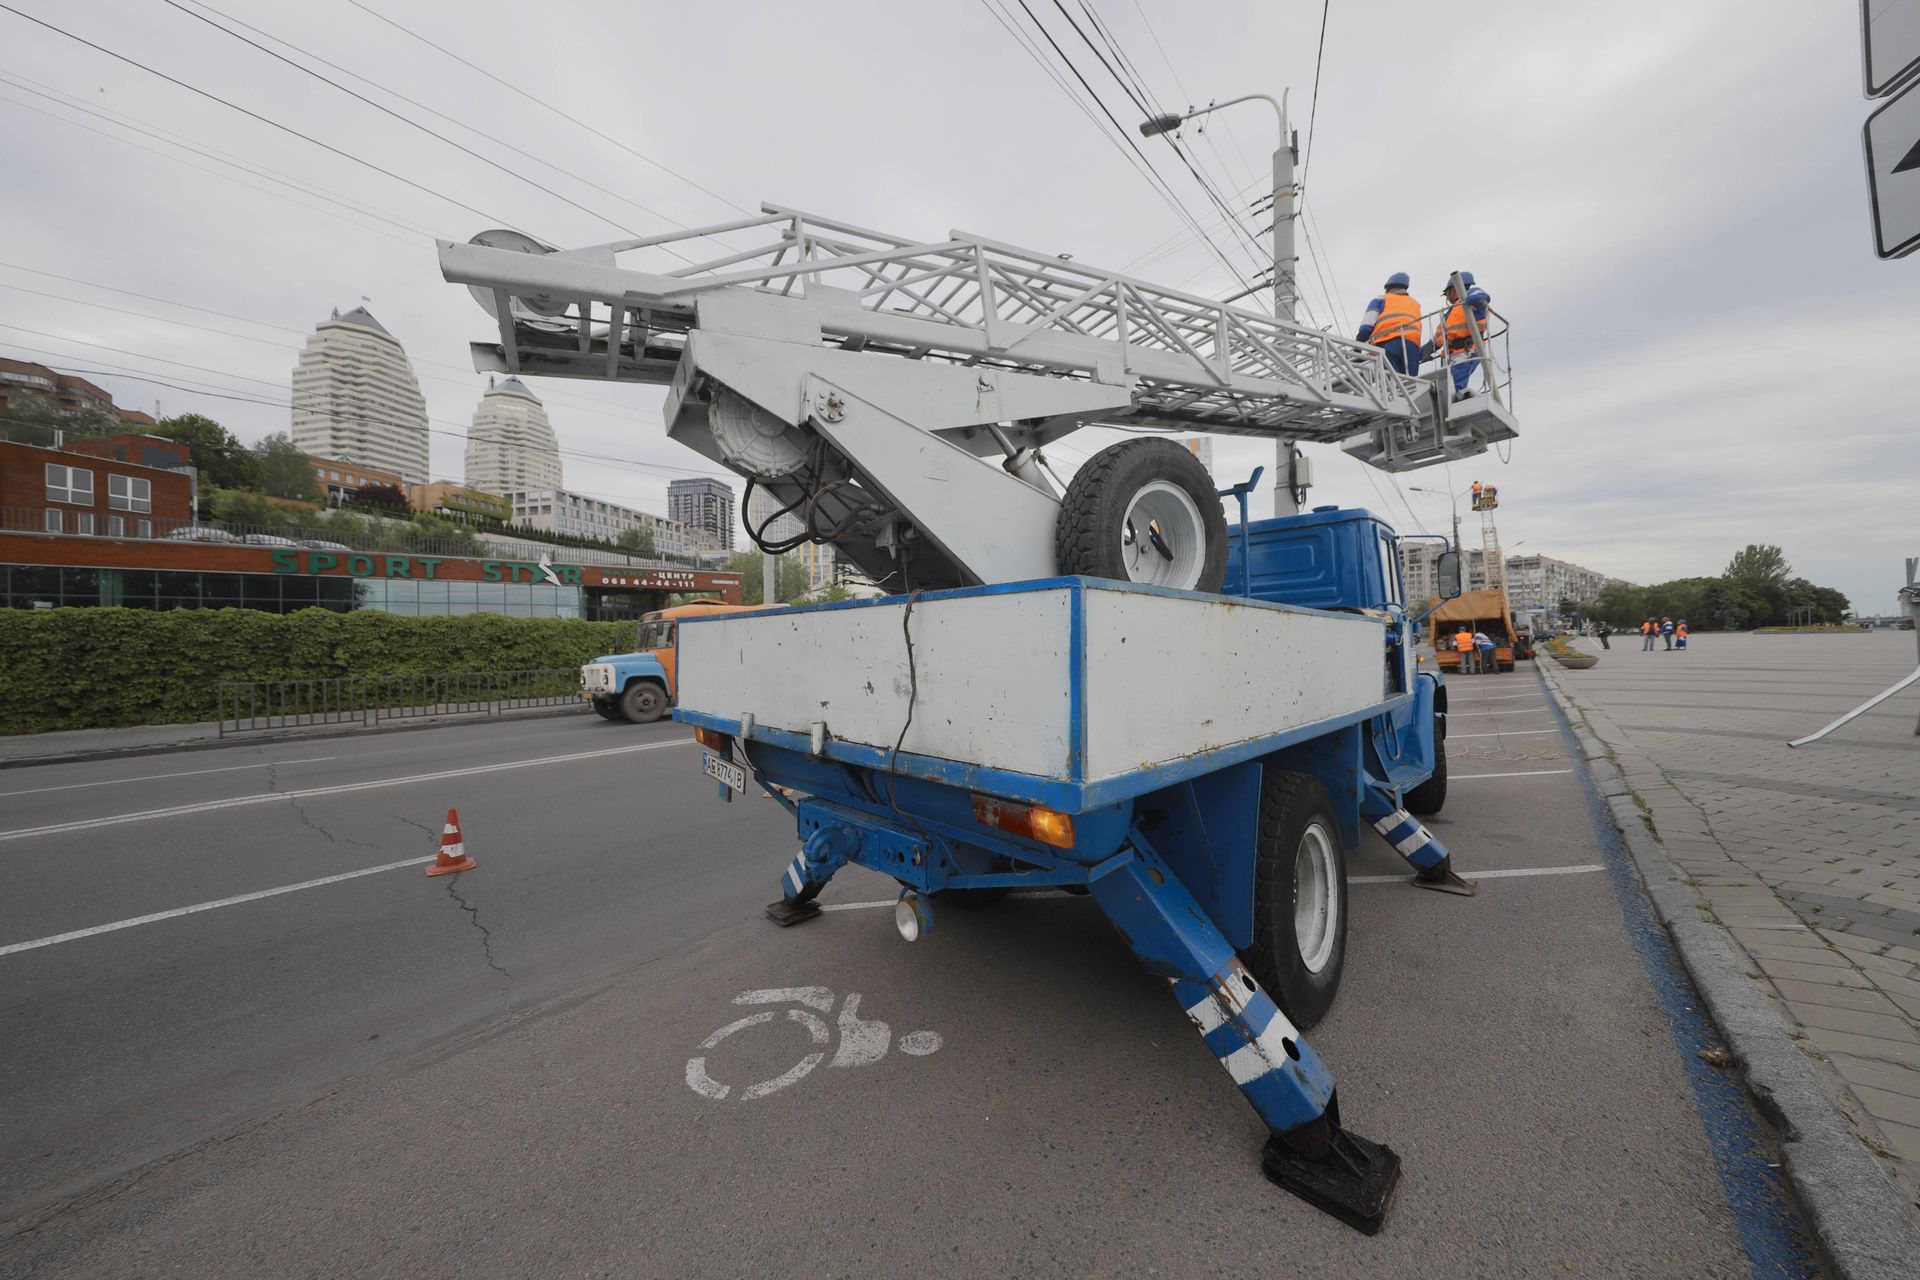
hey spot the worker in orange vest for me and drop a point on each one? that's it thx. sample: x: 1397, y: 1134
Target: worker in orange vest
x: 1392, y: 323
x: 1454, y: 333
x: 1463, y: 645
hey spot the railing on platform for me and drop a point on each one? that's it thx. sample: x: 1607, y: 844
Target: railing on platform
x: 249, y: 705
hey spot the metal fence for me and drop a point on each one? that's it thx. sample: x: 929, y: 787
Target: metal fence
x: 248, y: 705
x: 391, y: 536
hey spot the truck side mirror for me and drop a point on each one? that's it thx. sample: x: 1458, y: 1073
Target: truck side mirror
x: 1446, y: 570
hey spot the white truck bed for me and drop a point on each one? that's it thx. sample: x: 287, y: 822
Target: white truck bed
x: 1071, y: 692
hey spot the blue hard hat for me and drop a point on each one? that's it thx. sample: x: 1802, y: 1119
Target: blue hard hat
x: 1398, y: 280
x: 1466, y: 278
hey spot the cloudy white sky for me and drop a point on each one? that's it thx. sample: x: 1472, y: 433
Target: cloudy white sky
x: 1666, y: 198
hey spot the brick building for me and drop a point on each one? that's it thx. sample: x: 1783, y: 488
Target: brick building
x: 67, y: 392
x: 96, y: 488
x: 339, y: 479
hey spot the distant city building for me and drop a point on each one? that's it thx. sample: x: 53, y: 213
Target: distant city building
x: 67, y: 392
x: 558, y: 511
x: 1541, y: 582
x: 339, y: 478
x: 355, y: 398
x: 821, y: 564
x: 706, y: 507
x: 761, y: 509
x: 511, y: 447
x: 458, y: 502
x: 1533, y: 581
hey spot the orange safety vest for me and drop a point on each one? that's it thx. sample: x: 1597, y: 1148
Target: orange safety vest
x: 1463, y: 641
x: 1646, y: 628
x: 1681, y: 631
x: 1459, y: 336
x: 1399, y: 319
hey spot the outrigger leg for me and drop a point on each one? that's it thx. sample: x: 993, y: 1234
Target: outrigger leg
x: 1432, y: 864
x: 825, y: 852
x: 1309, y: 1153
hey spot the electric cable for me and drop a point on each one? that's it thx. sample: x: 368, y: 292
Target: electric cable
x: 546, y: 106
x: 415, y: 124
x: 266, y: 120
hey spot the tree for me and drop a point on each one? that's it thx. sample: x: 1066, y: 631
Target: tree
x: 223, y: 462
x: 1620, y: 603
x: 235, y: 507
x: 828, y: 594
x: 33, y: 419
x: 638, y: 542
x: 384, y: 498
x: 792, y: 577
x: 285, y: 471
x: 1720, y: 610
x: 1758, y: 565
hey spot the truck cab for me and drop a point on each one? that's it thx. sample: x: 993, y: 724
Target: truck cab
x: 638, y: 687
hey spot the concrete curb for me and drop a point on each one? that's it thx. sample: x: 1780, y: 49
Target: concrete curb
x: 208, y: 742
x: 1859, y: 1217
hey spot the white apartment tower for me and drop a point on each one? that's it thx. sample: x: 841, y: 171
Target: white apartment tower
x: 511, y: 447
x: 355, y: 398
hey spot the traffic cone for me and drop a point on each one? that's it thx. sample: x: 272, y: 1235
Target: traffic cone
x: 452, y: 856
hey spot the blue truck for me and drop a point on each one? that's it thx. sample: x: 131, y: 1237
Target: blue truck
x: 985, y: 739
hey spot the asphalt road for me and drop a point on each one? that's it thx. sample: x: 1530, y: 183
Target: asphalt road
x: 489, y: 1074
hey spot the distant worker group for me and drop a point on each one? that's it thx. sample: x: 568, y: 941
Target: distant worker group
x: 1392, y: 323
x: 1476, y: 650
x: 1673, y: 633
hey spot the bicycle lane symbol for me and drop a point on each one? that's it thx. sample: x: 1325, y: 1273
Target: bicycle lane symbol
x: 863, y: 1042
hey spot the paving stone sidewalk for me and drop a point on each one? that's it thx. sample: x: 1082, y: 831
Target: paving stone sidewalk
x: 1808, y: 857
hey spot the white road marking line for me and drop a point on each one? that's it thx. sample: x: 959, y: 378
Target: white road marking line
x: 1507, y: 733
x: 155, y: 777
x: 239, y: 802
x: 1531, y: 773
x: 1523, y: 711
x: 1584, y: 869
x: 1506, y: 697
x: 208, y: 906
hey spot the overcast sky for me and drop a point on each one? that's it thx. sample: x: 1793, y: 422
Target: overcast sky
x: 1666, y: 199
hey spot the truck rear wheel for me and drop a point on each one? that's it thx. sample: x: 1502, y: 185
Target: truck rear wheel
x: 1143, y: 511
x: 643, y: 702
x: 1299, y: 897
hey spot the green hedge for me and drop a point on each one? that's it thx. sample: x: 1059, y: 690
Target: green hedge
x: 103, y: 668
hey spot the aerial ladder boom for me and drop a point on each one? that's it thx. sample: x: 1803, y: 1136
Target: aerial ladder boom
x: 870, y: 381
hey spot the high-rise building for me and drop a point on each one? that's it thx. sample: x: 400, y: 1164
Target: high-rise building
x: 355, y: 398
x: 559, y: 511
x: 1541, y: 582
x: 511, y: 446
x: 1200, y: 447
x: 822, y: 565
x: 706, y: 507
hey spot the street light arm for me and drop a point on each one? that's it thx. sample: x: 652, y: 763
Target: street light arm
x: 1168, y: 123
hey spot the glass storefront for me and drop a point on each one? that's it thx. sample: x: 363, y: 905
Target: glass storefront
x: 45, y: 587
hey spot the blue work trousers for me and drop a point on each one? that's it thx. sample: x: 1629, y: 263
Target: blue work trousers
x: 1462, y: 370
x: 1402, y: 356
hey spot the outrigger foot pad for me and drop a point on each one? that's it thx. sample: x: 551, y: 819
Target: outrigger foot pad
x: 1440, y: 878
x: 1352, y: 1179
x: 787, y: 914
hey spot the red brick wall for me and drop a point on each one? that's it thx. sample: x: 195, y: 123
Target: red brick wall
x: 23, y: 488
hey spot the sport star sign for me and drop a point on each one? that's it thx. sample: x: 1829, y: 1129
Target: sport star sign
x: 1892, y: 140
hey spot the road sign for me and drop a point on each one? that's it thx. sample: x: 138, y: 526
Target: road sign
x: 1892, y: 140
x: 1890, y: 36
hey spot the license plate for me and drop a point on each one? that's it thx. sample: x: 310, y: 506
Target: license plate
x: 731, y: 774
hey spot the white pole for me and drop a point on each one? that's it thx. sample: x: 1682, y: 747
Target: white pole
x: 769, y: 578
x: 1286, y: 293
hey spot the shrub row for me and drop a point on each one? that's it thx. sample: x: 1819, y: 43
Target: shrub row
x: 103, y: 668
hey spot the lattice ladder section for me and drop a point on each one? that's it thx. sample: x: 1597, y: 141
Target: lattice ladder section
x: 1495, y: 564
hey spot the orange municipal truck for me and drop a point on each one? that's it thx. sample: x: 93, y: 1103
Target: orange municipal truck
x: 1473, y: 611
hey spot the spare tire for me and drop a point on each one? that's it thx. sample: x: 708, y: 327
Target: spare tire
x: 1143, y: 511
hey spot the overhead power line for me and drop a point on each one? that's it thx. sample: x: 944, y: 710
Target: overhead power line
x: 408, y: 121
x: 224, y: 177
x: 266, y: 120
x: 546, y: 106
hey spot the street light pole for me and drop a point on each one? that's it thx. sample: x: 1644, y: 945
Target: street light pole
x: 1291, y: 475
